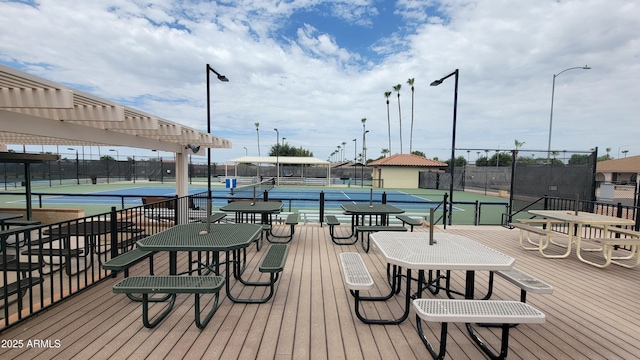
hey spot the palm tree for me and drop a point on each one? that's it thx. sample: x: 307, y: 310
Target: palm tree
x: 517, y: 144
x: 608, y: 151
x: 397, y: 89
x: 410, y: 82
x: 344, y: 148
x: 386, y: 95
x: 384, y: 152
x: 258, y: 134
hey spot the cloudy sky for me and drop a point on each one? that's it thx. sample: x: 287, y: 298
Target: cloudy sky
x: 314, y: 68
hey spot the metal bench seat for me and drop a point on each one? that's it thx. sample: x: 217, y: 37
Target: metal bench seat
x: 526, y: 282
x: 374, y: 228
x: 172, y: 284
x: 357, y: 278
x: 215, y: 217
x: 18, y: 286
x: 407, y: 220
x: 61, y: 257
x: 126, y: 260
x: 608, y: 245
x: 292, y: 221
x: 447, y: 311
x: 272, y: 262
x: 333, y: 221
x: 356, y: 274
x: 526, y: 229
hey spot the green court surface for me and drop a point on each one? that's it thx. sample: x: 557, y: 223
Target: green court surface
x: 490, y: 209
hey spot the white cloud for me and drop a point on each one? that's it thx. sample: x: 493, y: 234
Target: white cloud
x: 315, y: 89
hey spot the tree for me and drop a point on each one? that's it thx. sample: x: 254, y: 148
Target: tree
x: 483, y: 161
x: 384, y: 152
x: 386, y: 95
x: 578, y: 159
x: 419, y: 153
x: 344, y: 148
x: 410, y: 82
x: 500, y: 159
x: 397, y: 89
x: 460, y: 161
x: 518, y: 144
x: 258, y: 134
x: 287, y: 150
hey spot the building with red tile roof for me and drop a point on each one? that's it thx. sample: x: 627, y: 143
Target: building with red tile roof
x: 402, y: 170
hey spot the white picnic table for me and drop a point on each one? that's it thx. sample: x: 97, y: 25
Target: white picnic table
x: 577, y: 221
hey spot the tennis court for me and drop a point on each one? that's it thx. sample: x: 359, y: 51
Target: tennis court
x: 309, y: 198
x: 296, y: 198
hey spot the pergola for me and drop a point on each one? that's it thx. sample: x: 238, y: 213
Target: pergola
x: 281, y: 160
x: 36, y: 111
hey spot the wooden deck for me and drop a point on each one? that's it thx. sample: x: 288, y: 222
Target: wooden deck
x: 592, y: 314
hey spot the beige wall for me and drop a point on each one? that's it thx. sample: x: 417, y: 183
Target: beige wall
x: 47, y: 215
x: 398, y: 177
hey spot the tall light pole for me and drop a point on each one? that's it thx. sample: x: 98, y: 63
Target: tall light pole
x: 453, y: 136
x: 619, y: 150
x: 364, y: 154
x: 246, y: 152
x: 277, y: 156
x: 355, y: 160
x: 553, y: 89
x: 77, y: 166
x: 222, y: 78
x: 117, y: 163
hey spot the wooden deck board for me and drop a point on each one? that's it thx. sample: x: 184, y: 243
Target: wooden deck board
x: 591, y: 314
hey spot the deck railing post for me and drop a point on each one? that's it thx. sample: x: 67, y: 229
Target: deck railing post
x: 321, y: 214
x: 114, y: 233
x: 444, y: 210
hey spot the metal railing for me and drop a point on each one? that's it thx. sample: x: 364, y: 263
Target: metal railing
x: 41, y: 265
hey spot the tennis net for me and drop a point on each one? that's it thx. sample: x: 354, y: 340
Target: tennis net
x: 253, y: 191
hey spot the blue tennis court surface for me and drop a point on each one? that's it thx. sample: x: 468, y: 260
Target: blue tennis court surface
x: 294, y: 198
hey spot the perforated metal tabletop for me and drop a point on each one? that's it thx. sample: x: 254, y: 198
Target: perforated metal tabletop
x: 186, y: 237
x: 450, y: 252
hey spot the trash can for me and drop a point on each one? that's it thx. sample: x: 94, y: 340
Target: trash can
x: 94, y: 179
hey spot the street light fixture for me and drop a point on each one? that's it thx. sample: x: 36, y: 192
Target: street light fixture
x: 364, y: 155
x: 277, y: 156
x: 553, y: 89
x: 453, y: 137
x: 77, y: 166
x: 622, y: 151
x: 355, y: 160
x: 222, y: 78
x: 246, y: 152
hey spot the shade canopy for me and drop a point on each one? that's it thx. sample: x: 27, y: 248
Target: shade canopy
x: 279, y: 159
x: 35, y: 111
